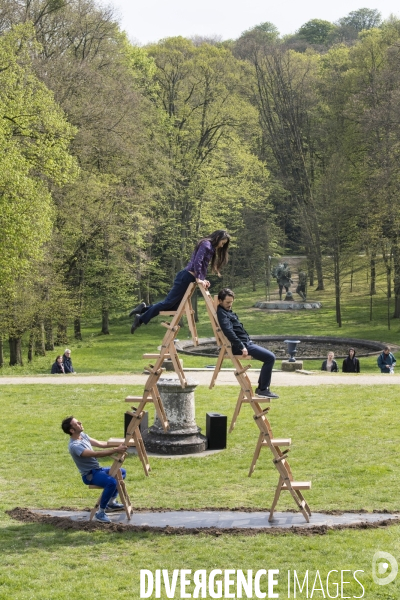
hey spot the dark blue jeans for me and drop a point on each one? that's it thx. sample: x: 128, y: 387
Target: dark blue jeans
x: 101, y: 478
x: 175, y: 295
x: 266, y: 357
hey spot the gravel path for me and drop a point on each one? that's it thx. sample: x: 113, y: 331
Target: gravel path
x: 203, y: 377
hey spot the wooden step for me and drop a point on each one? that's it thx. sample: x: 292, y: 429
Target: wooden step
x: 95, y: 487
x: 168, y: 312
x: 280, y: 442
x: 298, y: 485
x: 134, y: 399
x: 257, y: 399
x: 155, y: 355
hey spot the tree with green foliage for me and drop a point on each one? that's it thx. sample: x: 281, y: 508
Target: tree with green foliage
x: 317, y: 31
x: 284, y: 91
x: 34, y: 142
x: 198, y: 90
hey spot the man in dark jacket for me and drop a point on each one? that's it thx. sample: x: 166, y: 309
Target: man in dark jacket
x: 68, y: 368
x: 386, y: 361
x: 351, y: 364
x: 241, y: 342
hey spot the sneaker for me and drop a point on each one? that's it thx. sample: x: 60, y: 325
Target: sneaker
x: 114, y: 505
x: 266, y: 393
x: 136, y: 323
x: 101, y: 516
x: 138, y: 309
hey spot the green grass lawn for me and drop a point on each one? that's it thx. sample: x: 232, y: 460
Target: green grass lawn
x: 344, y: 439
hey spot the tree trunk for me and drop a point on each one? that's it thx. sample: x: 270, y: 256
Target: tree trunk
x: 40, y: 345
x: 372, y: 286
x: 15, y: 351
x: 351, y: 276
x: 337, y: 289
x: 61, y: 338
x: 318, y: 268
x: 1, y: 353
x: 48, y: 326
x: 389, y: 281
x: 104, y: 322
x: 31, y: 345
x: 310, y: 267
x: 396, y: 281
x: 77, y: 328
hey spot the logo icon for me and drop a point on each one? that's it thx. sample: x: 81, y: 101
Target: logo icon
x: 384, y: 568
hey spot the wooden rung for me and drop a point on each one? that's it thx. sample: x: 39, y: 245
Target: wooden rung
x: 261, y: 414
x: 168, y: 326
x: 95, y: 487
x: 115, y: 442
x: 243, y: 370
x: 168, y: 312
x: 134, y: 399
x: 298, y: 485
x: 281, y: 442
x: 155, y: 355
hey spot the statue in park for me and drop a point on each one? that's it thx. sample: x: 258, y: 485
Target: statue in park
x: 283, y: 276
x: 302, y: 286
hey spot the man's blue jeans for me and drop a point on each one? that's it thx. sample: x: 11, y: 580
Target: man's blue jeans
x: 174, y: 297
x: 268, y: 358
x: 101, y: 478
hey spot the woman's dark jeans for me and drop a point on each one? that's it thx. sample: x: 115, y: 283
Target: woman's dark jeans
x: 172, y: 301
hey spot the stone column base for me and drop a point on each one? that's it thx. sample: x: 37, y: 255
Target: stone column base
x: 292, y: 366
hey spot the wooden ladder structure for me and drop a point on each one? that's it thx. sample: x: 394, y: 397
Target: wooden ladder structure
x: 133, y: 437
x: 168, y: 349
x: 246, y: 395
x: 286, y: 481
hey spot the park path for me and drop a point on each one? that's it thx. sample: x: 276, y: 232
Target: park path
x: 203, y: 377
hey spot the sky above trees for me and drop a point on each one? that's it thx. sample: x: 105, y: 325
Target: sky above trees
x: 156, y: 19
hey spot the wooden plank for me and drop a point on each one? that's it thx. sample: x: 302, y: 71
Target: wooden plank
x: 115, y: 442
x: 298, y: 485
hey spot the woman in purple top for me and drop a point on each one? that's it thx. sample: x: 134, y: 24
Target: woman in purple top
x: 212, y: 248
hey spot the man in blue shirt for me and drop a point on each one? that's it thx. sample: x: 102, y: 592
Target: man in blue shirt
x: 85, y: 458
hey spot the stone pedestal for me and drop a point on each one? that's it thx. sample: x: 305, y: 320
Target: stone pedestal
x: 183, y: 436
x: 291, y: 366
x: 168, y: 365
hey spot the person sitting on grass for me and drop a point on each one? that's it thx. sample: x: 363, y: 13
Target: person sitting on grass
x: 351, y: 364
x: 242, y: 344
x: 386, y: 361
x: 329, y: 364
x: 68, y: 368
x: 85, y: 458
x: 58, y: 366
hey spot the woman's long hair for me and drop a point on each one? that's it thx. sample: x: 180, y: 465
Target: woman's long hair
x: 220, y: 257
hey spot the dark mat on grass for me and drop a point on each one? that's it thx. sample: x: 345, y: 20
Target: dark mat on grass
x: 208, y: 521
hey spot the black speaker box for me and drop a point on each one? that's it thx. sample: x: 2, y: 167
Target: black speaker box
x: 144, y: 425
x: 216, y: 430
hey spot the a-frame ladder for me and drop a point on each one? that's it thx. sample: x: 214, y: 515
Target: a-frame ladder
x: 168, y: 349
x: 225, y: 352
x: 133, y: 436
x: 121, y: 487
x: 286, y: 482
